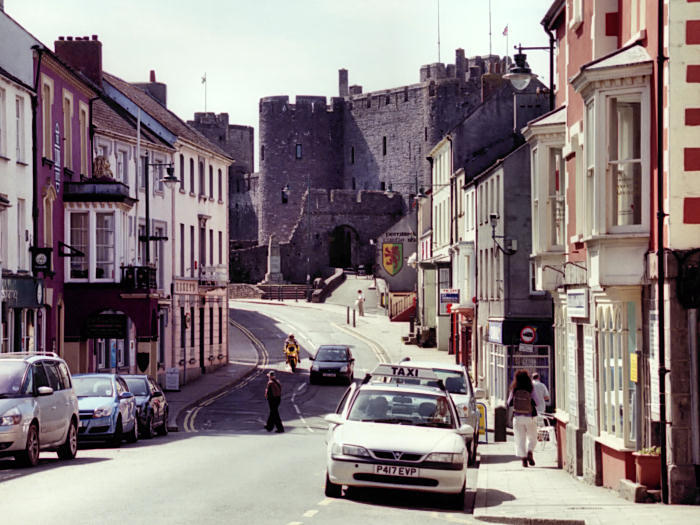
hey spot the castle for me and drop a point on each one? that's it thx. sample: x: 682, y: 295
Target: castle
x: 360, y: 143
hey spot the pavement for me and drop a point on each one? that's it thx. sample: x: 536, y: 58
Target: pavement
x: 505, y: 491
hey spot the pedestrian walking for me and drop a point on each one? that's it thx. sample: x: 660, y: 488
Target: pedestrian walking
x: 273, y: 394
x: 540, y: 394
x: 524, y: 417
x: 360, y: 303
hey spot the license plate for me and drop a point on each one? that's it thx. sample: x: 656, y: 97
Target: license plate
x: 392, y: 470
x: 328, y: 375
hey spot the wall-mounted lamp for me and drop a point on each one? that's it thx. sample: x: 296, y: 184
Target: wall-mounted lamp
x: 520, y: 73
x: 512, y: 243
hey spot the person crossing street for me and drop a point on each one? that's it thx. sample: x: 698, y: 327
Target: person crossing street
x: 273, y: 394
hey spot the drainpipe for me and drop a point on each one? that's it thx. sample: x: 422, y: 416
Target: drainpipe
x: 660, y: 215
x: 35, y: 170
x: 551, y: 68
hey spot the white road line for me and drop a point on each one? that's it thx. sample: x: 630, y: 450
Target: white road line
x: 310, y: 513
x: 378, y: 352
x: 301, y: 386
x: 325, y: 502
x: 298, y: 411
x: 295, y: 523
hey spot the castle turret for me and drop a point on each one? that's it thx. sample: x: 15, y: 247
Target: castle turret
x: 343, y: 83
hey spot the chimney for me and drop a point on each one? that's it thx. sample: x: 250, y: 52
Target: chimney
x: 83, y: 54
x: 157, y: 90
x: 343, y: 82
x: 2, y: 5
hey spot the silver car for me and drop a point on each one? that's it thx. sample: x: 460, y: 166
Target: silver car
x: 38, y: 407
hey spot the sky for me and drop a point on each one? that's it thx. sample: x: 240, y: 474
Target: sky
x: 253, y: 49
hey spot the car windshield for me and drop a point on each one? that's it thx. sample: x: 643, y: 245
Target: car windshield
x: 403, y: 408
x: 331, y: 354
x: 11, y: 375
x: 137, y: 386
x: 92, y: 386
x: 453, y: 380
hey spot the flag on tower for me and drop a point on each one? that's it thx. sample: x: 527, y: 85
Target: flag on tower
x: 204, y: 78
x: 505, y: 31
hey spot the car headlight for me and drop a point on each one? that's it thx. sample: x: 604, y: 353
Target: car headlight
x: 348, y: 450
x: 445, y: 457
x: 344, y: 368
x: 103, y: 411
x: 11, y: 417
x: 314, y: 367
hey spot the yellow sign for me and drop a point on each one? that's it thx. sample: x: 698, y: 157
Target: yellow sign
x: 482, y: 418
x: 633, y: 368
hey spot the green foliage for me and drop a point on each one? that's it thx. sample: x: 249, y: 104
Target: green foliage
x: 650, y: 451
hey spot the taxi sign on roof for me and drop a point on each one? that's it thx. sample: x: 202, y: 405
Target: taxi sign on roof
x: 402, y: 371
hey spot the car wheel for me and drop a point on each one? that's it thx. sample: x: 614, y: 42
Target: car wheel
x: 456, y: 501
x: 30, y: 456
x: 133, y: 436
x: 148, y: 427
x: 117, y: 437
x: 70, y: 448
x: 333, y: 490
x: 163, y: 429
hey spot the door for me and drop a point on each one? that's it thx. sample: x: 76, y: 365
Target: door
x: 46, y: 405
x: 62, y: 398
x: 201, y: 340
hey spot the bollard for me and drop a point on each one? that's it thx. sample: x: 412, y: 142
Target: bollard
x: 353, y: 318
x: 500, y: 416
x: 347, y: 317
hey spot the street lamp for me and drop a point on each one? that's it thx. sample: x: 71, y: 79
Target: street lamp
x: 493, y: 220
x: 520, y: 73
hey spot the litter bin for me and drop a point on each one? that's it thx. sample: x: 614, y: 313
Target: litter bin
x: 500, y: 415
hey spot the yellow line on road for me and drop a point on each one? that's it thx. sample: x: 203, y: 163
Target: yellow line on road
x: 310, y: 513
x: 379, y: 352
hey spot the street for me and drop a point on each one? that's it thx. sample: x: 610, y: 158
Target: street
x: 222, y: 467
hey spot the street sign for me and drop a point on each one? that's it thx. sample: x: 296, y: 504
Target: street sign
x: 172, y: 379
x: 528, y: 334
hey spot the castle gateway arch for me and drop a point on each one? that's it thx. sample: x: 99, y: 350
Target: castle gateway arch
x: 343, y: 247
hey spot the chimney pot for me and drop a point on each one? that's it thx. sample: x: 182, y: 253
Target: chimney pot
x: 94, y: 37
x: 61, y: 37
x: 69, y: 38
x: 153, y: 75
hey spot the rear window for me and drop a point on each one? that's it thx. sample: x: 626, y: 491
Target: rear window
x: 138, y: 387
x: 93, y: 386
x: 11, y: 376
x: 332, y: 354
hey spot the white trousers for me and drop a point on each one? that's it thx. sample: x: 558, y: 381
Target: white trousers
x: 525, y: 434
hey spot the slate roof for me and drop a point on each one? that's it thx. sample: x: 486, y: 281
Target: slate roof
x: 163, y: 115
x: 106, y: 118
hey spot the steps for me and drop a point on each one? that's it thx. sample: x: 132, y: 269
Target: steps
x: 283, y: 291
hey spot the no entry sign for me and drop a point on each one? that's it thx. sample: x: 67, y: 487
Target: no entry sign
x: 528, y: 334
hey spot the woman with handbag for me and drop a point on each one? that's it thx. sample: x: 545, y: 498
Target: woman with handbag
x: 524, y: 417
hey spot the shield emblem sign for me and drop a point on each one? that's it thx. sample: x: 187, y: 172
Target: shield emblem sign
x: 392, y: 257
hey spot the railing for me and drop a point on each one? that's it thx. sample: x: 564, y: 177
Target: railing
x: 400, y: 302
x: 138, y: 277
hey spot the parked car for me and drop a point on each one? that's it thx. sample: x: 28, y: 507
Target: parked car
x: 152, y: 407
x: 107, y: 409
x: 459, y: 384
x: 38, y: 407
x: 332, y: 362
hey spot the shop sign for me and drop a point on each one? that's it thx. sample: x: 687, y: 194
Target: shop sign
x: 21, y: 293
x: 392, y: 257
x: 496, y: 331
x: 448, y: 297
x: 106, y: 326
x: 572, y: 354
x: 577, y: 302
x: 526, y: 348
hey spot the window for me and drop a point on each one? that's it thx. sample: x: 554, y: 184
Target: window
x: 79, y: 240
x: 262, y: 152
x: 104, y: 246
x: 352, y: 155
x: 383, y: 145
x: 221, y: 248
x: 221, y: 186
x: 211, y: 247
x: 158, y: 186
x: 589, y: 188
x: 182, y: 249
x: 141, y: 172
x: 3, y: 138
x: 123, y: 166
x: 221, y: 325
x: 211, y: 325
x: 83, y: 127
x: 68, y: 130
x: 211, y: 181
x: 183, y: 328
x: 298, y: 151
x: 192, y: 254
x: 624, y: 160
x: 192, y: 192
x: 182, y: 172
x: 192, y: 325
x: 46, y: 117
x: 22, y: 234
x: 19, y: 129
x: 555, y: 199
x: 202, y: 187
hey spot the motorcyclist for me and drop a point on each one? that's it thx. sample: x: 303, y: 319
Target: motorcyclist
x: 291, y: 348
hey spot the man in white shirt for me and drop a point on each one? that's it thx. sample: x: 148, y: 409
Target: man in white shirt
x: 539, y: 393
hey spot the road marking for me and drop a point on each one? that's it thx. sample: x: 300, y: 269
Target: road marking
x: 310, y: 513
x: 263, y: 360
x: 296, y: 407
x: 300, y: 387
x: 381, y: 354
x: 295, y: 523
x: 325, y: 502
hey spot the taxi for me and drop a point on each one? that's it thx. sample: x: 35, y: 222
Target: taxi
x: 394, y: 434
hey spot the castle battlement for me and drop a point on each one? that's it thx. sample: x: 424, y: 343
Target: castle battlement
x: 302, y: 104
x: 352, y: 202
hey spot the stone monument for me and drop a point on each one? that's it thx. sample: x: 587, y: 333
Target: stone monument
x: 274, y: 263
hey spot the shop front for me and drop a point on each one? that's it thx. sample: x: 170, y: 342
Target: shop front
x: 21, y: 304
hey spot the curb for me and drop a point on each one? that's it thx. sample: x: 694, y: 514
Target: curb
x: 214, y: 393
x: 529, y: 521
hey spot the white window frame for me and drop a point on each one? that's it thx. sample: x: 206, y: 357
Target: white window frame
x: 3, y: 125
x: 67, y: 129
x: 83, y: 115
x: 47, y: 116
x: 601, y: 221
x: 20, y: 148
x: 555, y: 201
x: 91, y: 251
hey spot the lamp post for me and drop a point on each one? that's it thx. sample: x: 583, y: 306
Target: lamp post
x: 520, y: 73
x: 493, y: 220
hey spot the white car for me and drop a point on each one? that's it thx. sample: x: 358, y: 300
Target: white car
x: 397, y: 435
x: 459, y: 384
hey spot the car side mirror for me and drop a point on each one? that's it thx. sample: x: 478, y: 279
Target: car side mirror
x: 465, y: 430
x: 126, y: 395
x: 334, y: 419
x: 480, y: 393
x: 44, y: 391
x: 312, y: 358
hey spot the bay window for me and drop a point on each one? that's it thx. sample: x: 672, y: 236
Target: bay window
x: 93, y: 233
x: 555, y: 199
x: 624, y: 160
x: 104, y: 245
x: 79, y: 235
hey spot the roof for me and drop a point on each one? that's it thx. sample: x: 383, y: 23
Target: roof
x: 556, y: 116
x: 626, y: 61
x: 403, y: 387
x: 163, y: 115
x: 108, y: 119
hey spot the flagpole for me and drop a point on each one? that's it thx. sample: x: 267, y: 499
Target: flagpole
x: 438, y: 28
x: 204, y: 81
x: 489, y: 27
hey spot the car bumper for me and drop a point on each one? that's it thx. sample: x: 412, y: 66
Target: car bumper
x: 329, y: 375
x: 96, y: 429
x: 360, y: 474
x: 12, y: 438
